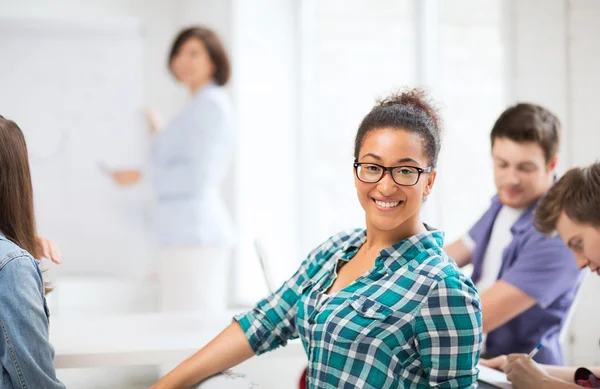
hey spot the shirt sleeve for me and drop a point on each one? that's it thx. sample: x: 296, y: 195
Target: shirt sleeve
x: 272, y: 322
x: 25, y: 351
x: 541, y: 262
x: 448, y: 333
x: 484, y: 223
x: 468, y: 242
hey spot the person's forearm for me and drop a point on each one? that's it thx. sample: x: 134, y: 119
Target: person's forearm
x: 460, y: 253
x: 228, y: 349
x: 564, y: 373
x: 502, y: 302
x: 557, y: 383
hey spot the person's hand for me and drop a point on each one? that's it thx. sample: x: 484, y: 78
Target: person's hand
x: 498, y: 363
x: 48, y: 249
x: 525, y: 373
x: 155, y: 120
x: 126, y: 177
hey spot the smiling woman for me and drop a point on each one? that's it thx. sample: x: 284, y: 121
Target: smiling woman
x: 389, y: 288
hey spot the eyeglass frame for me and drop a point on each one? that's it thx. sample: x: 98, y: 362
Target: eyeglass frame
x: 389, y: 169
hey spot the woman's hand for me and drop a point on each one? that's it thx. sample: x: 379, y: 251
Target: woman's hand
x: 498, y: 363
x: 155, y: 120
x: 47, y: 248
x: 126, y: 177
x: 525, y: 373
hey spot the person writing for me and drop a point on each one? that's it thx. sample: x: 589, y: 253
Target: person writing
x: 572, y: 209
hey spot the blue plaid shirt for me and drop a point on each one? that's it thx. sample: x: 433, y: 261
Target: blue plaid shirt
x: 412, y: 321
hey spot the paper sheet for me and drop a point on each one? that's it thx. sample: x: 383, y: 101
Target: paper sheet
x: 493, y: 377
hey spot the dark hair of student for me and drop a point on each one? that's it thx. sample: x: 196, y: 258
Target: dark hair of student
x: 524, y: 123
x: 577, y: 194
x: 214, y: 46
x: 410, y: 111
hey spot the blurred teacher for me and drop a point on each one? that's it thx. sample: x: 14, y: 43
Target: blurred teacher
x: 189, y: 160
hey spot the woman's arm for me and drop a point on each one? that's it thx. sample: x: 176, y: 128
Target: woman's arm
x: 228, y: 349
x: 25, y: 352
x: 130, y: 177
x: 155, y: 120
x: 448, y: 334
x: 269, y: 325
x: 48, y: 249
x: 126, y: 177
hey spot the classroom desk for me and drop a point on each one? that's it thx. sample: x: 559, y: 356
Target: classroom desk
x: 137, y: 339
x: 141, y: 339
x: 483, y: 385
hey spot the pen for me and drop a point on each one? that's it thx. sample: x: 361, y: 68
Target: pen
x: 535, y: 350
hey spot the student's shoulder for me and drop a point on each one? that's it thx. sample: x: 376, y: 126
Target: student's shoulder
x: 350, y: 236
x: 486, y: 219
x: 342, y: 240
x: 213, y: 98
x: 10, y: 252
x: 437, y: 266
x: 15, y: 263
x: 532, y: 239
x: 326, y: 252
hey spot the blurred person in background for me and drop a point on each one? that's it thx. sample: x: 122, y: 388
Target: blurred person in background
x: 190, y: 158
x: 527, y: 280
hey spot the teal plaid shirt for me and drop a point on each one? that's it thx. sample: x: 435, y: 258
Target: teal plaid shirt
x: 412, y: 321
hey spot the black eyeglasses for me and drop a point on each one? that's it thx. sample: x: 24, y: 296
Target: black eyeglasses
x: 402, y: 175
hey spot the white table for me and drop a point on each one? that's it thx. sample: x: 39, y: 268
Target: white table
x: 137, y: 339
x: 142, y: 339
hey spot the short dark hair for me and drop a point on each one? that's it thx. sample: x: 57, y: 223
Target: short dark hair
x: 524, y: 122
x: 214, y: 46
x: 577, y: 194
x: 410, y: 110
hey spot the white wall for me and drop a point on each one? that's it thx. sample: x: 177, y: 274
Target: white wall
x: 538, y: 34
x: 218, y: 15
x: 160, y: 21
x: 158, y: 24
x: 472, y: 93
x: 584, y: 79
x: 157, y: 17
x: 264, y: 89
